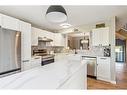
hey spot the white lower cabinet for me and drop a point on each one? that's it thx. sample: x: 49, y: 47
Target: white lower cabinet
x: 103, y: 68
x: 35, y: 62
x: 26, y: 65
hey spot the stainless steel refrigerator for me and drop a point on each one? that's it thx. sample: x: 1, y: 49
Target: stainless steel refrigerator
x: 10, y: 52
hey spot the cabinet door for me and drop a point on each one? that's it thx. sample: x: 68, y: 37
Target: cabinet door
x: 25, y: 29
x: 10, y: 22
x: 26, y: 65
x: 100, y: 37
x: 62, y: 40
x: 0, y: 19
x: 36, y: 62
x: 96, y: 37
x: 34, y: 37
x: 103, y: 68
x: 58, y: 39
x: 105, y: 36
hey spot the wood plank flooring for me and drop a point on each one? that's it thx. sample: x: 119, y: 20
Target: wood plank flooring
x: 121, y: 79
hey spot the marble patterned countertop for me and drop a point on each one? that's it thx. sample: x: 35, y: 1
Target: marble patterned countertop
x: 44, y: 77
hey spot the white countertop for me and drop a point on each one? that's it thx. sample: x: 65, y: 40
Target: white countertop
x: 80, y: 54
x: 46, y: 77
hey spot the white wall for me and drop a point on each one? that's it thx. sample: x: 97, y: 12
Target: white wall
x: 112, y: 41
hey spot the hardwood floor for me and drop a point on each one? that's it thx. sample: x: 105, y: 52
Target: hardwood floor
x: 121, y: 79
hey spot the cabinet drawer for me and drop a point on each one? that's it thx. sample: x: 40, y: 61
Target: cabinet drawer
x: 104, y: 60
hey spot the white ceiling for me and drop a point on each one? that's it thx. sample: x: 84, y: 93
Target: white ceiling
x: 77, y: 15
x: 79, y: 34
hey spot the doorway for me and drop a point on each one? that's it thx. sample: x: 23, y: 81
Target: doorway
x: 120, y: 50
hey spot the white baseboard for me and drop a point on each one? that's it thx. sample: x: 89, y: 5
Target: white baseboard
x: 113, y: 82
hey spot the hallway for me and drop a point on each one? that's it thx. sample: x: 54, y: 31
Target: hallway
x: 121, y: 75
x: 121, y: 79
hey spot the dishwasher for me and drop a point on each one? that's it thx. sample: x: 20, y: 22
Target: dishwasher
x: 91, y: 66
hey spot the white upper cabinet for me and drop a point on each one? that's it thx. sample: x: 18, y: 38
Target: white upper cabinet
x: 96, y: 38
x: 9, y: 22
x: 36, y: 32
x: 100, y: 37
x: 58, y: 39
x: 105, y: 36
x: 34, y: 36
x: 0, y: 19
x: 103, y: 68
x: 25, y: 29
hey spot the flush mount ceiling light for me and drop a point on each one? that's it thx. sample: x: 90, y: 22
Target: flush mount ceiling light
x: 56, y: 14
x: 65, y: 25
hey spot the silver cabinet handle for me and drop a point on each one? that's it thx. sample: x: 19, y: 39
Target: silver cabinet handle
x: 103, y: 58
x: 25, y: 60
x: 36, y: 58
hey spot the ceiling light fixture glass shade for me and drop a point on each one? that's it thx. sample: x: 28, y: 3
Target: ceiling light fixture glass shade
x: 85, y: 41
x: 65, y: 25
x: 56, y: 14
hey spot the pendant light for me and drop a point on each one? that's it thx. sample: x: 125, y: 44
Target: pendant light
x: 56, y: 14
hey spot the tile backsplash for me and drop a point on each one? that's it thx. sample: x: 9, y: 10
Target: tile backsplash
x: 94, y: 51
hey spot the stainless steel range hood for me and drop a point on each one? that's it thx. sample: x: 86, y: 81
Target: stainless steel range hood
x: 44, y: 39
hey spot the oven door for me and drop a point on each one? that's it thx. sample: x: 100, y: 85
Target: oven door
x: 46, y: 61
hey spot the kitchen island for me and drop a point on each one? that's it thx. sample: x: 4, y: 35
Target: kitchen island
x: 67, y: 73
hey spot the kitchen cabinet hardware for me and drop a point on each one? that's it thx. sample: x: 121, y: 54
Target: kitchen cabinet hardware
x: 25, y: 60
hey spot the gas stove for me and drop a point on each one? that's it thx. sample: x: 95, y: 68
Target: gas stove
x: 46, y: 58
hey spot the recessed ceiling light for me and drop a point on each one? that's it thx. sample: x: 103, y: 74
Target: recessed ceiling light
x: 65, y: 25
